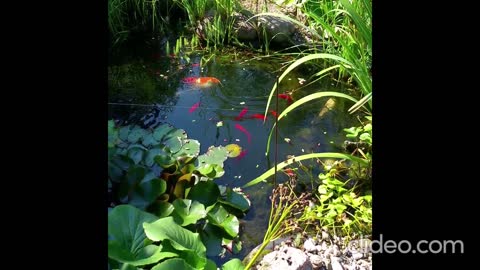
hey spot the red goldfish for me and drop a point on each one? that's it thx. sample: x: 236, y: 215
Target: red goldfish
x: 287, y: 97
x: 258, y: 116
x: 241, y: 114
x: 274, y: 113
x: 194, y: 107
x: 242, y: 129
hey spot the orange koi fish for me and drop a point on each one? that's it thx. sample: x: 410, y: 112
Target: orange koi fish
x: 201, y: 81
x: 242, y: 129
x: 194, y: 107
x: 241, y: 114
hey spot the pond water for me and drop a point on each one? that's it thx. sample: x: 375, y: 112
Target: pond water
x: 147, y: 88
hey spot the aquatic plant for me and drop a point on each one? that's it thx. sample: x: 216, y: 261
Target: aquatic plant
x: 157, y: 177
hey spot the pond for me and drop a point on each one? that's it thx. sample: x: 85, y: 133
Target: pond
x: 149, y: 88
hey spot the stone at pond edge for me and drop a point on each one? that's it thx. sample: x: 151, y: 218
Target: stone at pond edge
x: 244, y: 30
x: 286, y: 258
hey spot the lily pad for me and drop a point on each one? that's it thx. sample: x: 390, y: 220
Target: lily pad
x: 206, y: 192
x: 161, y: 131
x: 175, y: 140
x: 233, y: 150
x: 236, y: 200
x: 220, y: 217
x: 187, y: 211
x: 214, y: 155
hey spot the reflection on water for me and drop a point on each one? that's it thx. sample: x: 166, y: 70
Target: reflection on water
x: 151, y: 91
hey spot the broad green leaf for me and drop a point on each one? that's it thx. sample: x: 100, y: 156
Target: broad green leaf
x: 161, y: 208
x: 180, y: 238
x: 212, y: 239
x: 171, y: 264
x: 187, y: 211
x: 123, y: 133
x: 175, y: 140
x: 287, y: 162
x: 149, y: 140
x: 126, y: 234
x: 190, y: 257
x: 161, y: 131
x: 236, y: 200
x: 206, y: 192
x: 148, y: 255
x: 233, y: 264
x: 136, y: 133
x: 190, y: 148
x: 150, y: 157
x: 210, y: 265
x: 220, y: 217
x: 136, y: 154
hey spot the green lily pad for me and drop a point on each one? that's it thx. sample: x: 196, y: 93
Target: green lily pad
x: 236, y: 200
x: 187, y: 211
x: 205, y: 192
x: 220, y: 217
x: 212, y: 239
x: 176, y: 263
x: 161, y: 131
x: 175, y: 140
x: 190, y: 148
x: 135, y: 134
x: 214, y: 155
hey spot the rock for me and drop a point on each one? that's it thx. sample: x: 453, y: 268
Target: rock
x: 335, y: 263
x: 245, y: 31
x: 316, y: 262
x: 309, y: 245
x: 287, y: 258
x: 357, y: 255
x: 279, y: 31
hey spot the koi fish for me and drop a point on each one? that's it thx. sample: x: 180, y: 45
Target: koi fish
x: 194, y: 107
x: 242, y: 154
x: 258, y: 116
x: 242, y: 129
x: 241, y: 114
x: 195, y: 64
x: 201, y: 80
x: 289, y: 172
x: 287, y: 97
x: 274, y: 113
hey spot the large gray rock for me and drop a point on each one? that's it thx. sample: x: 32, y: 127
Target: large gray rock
x: 245, y: 30
x: 279, y: 31
x: 287, y: 258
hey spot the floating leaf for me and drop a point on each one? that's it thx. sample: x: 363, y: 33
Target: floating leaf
x: 190, y: 148
x: 220, y: 217
x: 212, y: 239
x: 175, y: 140
x: 152, y: 153
x: 187, y: 211
x: 233, y: 150
x: 205, y: 192
x: 135, y: 134
x: 161, y: 131
x: 214, y: 155
x: 236, y: 200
